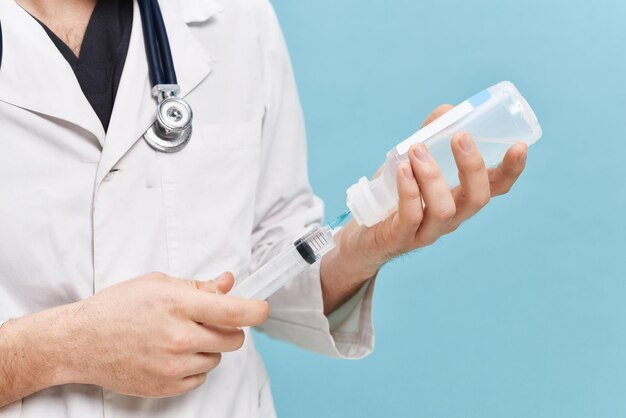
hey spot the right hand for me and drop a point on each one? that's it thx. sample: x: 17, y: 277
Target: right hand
x: 155, y: 335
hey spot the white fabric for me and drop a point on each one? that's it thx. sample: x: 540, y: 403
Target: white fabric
x: 81, y: 210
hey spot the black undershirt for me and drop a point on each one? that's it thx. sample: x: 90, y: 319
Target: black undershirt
x: 99, y: 67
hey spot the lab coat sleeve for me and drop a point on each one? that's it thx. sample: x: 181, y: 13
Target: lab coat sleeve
x: 284, y: 209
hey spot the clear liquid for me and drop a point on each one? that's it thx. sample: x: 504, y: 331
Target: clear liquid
x: 496, y: 125
x: 492, y: 150
x: 494, y: 141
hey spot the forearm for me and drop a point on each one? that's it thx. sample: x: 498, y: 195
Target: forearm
x: 342, y: 274
x: 32, y: 353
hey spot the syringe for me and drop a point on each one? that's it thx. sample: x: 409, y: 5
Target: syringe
x: 292, y: 262
x: 496, y: 117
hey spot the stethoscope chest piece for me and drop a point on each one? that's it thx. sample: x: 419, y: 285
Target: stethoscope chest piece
x: 172, y: 128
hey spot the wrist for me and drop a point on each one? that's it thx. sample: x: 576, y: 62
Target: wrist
x: 341, y: 276
x: 50, y: 339
x: 353, y: 260
x: 348, y: 263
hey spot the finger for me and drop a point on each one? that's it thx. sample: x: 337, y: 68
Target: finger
x: 220, y: 285
x: 474, y: 191
x: 219, y: 339
x: 439, y: 205
x: 201, y: 363
x: 190, y: 383
x: 409, y: 215
x: 209, y: 308
x: 202, y: 338
x: 439, y: 110
x: 503, y: 177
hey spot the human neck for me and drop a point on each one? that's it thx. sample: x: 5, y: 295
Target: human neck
x: 68, y: 19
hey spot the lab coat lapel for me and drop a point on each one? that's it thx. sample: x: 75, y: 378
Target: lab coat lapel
x: 198, y: 11
x: 35, y: 76
x: 135, y: 107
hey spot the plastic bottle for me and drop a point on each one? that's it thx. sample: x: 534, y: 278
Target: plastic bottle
x: 497, y: 118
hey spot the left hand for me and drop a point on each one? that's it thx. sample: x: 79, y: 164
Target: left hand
x: 362, y: 251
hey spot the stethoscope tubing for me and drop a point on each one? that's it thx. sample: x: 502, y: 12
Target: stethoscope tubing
x: 158, y: 49
x: 152, y: 48
x: 164, y: 45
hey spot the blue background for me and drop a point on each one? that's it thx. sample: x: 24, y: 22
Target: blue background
x: 521, y: 312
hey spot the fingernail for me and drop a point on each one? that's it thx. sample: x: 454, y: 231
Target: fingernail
x: 522, y: 158
x: 408, y: 173
x: 421, y: 153
x: 466, y: 143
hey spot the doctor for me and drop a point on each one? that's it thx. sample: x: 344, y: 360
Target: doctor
x: 88, y: 210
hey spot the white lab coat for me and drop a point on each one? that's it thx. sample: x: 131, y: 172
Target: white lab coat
x: 81, y: 210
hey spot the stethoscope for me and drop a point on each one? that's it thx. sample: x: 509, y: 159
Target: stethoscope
x: 172, y: 129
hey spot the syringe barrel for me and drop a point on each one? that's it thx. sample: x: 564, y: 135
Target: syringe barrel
x: 289, y: 264
x: 272, y: 276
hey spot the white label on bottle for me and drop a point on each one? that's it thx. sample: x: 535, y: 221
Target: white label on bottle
x: 436, y: 126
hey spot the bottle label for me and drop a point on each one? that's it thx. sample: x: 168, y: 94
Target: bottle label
x: 442, y: 122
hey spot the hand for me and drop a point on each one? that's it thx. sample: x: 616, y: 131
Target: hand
x: 427, y: 209
x: 157, y: 336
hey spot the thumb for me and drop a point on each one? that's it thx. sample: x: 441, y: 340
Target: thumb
x: 221, y: 284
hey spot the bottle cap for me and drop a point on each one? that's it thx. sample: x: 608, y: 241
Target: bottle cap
x: 365, y: 207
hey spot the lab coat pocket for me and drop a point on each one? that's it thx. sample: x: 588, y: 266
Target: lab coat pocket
x: 209, y: 190
x: 13, y: 410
